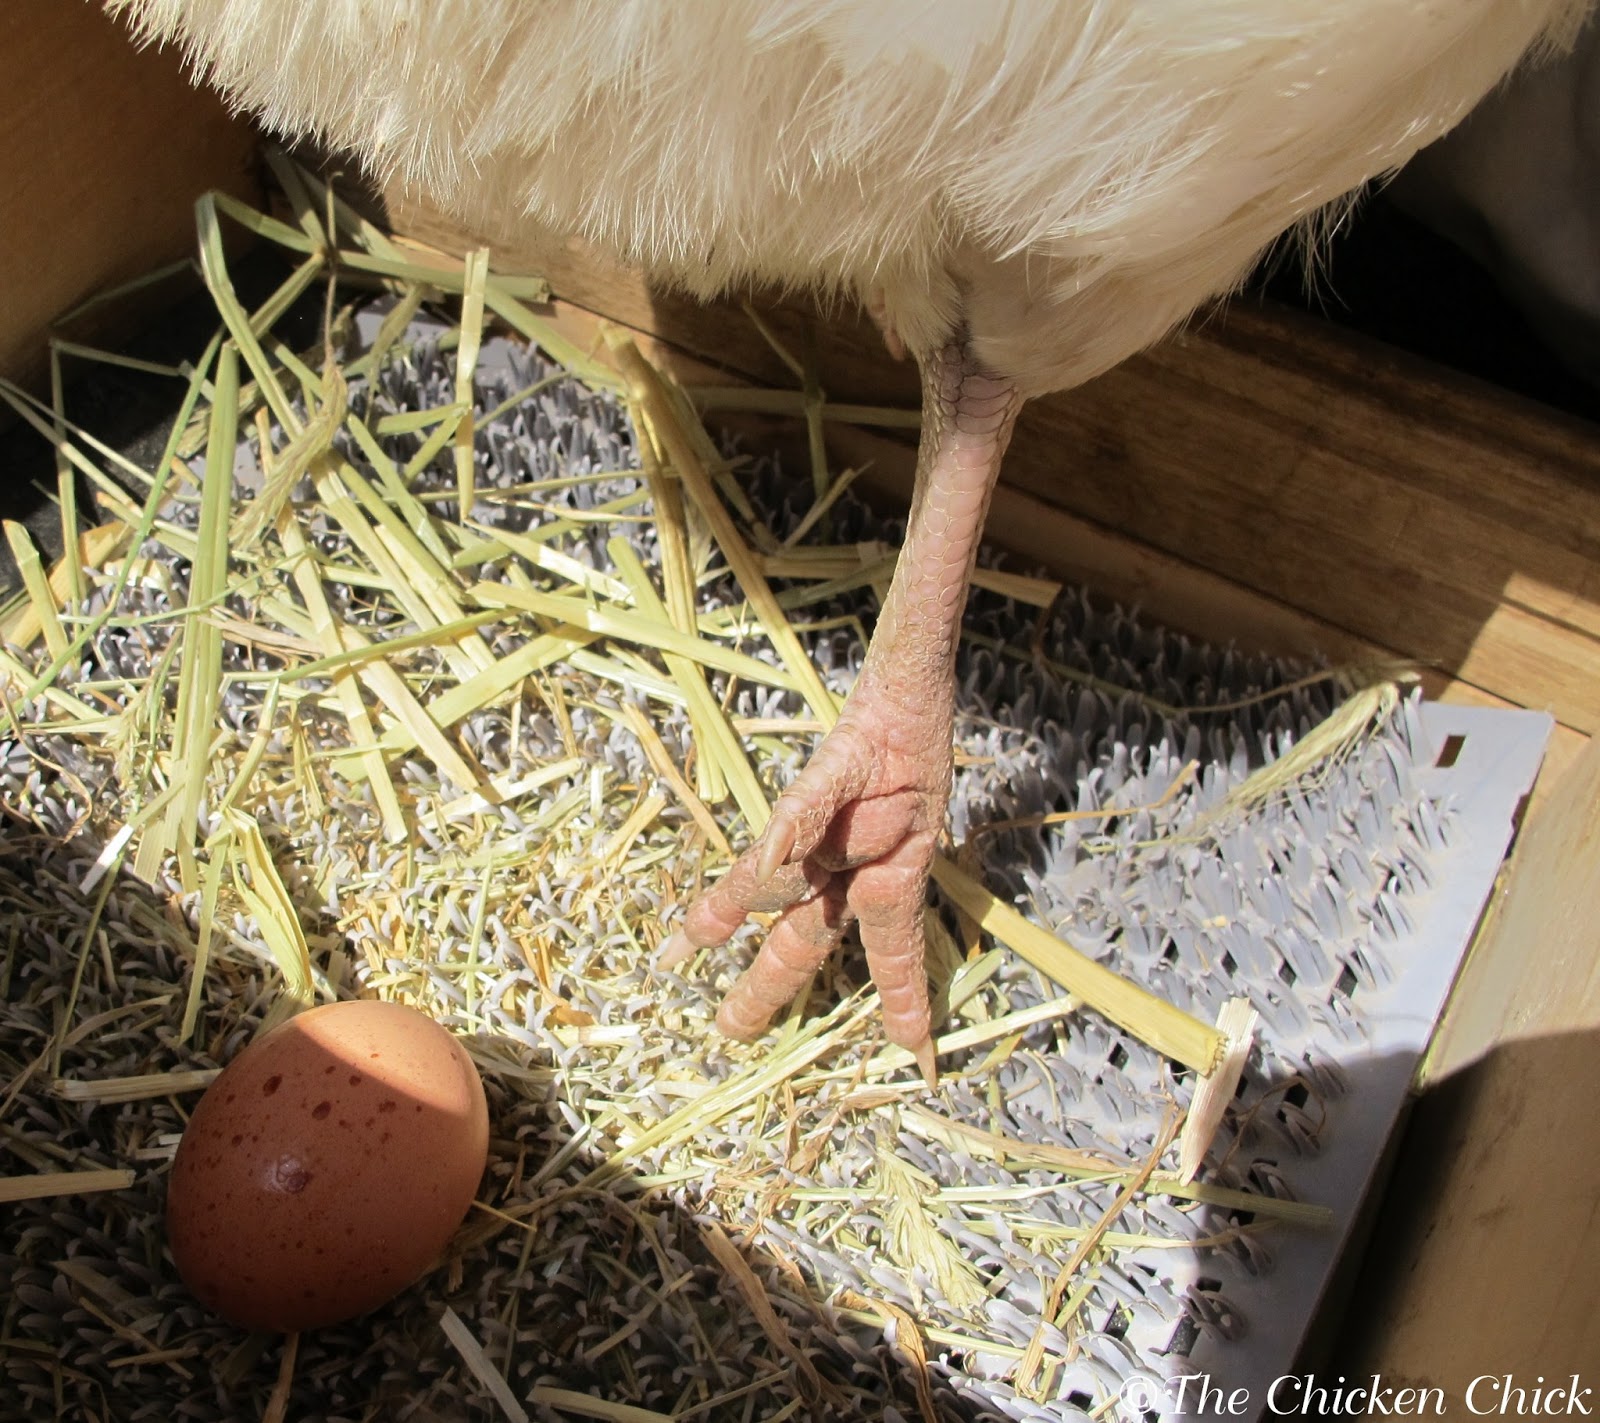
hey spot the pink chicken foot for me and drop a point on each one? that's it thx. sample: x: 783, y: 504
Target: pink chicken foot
x: 852, y: 839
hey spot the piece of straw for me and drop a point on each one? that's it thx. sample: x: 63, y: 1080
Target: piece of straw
x: 200, y: 673
x: 41, y: 596
x: 480, y: 1366
x: 1213, y: 1094
x: 630, y: 627
x: 47, y: 1184
x: 345, y: 686
x: 1152, y: 1020
x: 718, y: 740
x: 138, y: 1088
x: 96, y: 547
x: 474, y: 276
x: 261, y: 888
x: 737, y: 1270
x: 651, y: 398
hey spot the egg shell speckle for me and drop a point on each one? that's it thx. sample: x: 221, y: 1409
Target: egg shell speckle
x: 327, y: 1167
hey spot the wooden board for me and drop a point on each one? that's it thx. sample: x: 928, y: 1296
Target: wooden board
x: 1486, y: 1259
x: 103, y: 149
x: 1438, y: 518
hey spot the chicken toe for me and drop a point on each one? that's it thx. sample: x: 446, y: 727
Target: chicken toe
x: 853, y: 838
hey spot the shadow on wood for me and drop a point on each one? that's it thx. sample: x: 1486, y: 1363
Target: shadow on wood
x: 103, y: 149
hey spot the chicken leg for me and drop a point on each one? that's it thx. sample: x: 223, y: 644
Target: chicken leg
x: 851, y: 841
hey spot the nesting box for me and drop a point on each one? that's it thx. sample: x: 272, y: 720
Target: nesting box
x: 1262, y: 479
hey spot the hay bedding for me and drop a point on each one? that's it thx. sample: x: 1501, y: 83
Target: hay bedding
x: 631, y: 1147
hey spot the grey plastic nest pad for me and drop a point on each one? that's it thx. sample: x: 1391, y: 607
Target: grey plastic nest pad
x: 1341, y: 911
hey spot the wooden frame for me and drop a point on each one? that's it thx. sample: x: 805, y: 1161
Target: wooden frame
x: 103, y: 149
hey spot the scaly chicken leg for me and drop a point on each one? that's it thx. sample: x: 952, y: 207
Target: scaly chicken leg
x: 852, y: 839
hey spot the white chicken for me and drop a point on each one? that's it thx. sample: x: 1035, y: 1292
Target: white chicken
x: 1024, y: 194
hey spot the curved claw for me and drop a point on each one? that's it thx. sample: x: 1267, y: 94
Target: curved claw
x: 777, y: 844
x: 675, y: 949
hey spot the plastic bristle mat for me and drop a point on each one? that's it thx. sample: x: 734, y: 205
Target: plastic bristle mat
x: 628, y: 1139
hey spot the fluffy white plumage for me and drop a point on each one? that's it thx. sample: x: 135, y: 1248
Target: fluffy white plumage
x: 1069, y: 178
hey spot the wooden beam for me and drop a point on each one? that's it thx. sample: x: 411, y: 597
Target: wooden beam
x: 1485, y: 1256
x: 1452, y: 522
x: 103, y: 149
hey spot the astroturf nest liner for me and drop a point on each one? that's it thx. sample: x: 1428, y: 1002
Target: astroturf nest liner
x: 400, y: 710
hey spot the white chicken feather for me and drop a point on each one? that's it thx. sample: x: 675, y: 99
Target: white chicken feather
x: 1069, y: 178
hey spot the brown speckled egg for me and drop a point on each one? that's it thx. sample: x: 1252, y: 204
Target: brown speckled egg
x: 327, y: 1167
